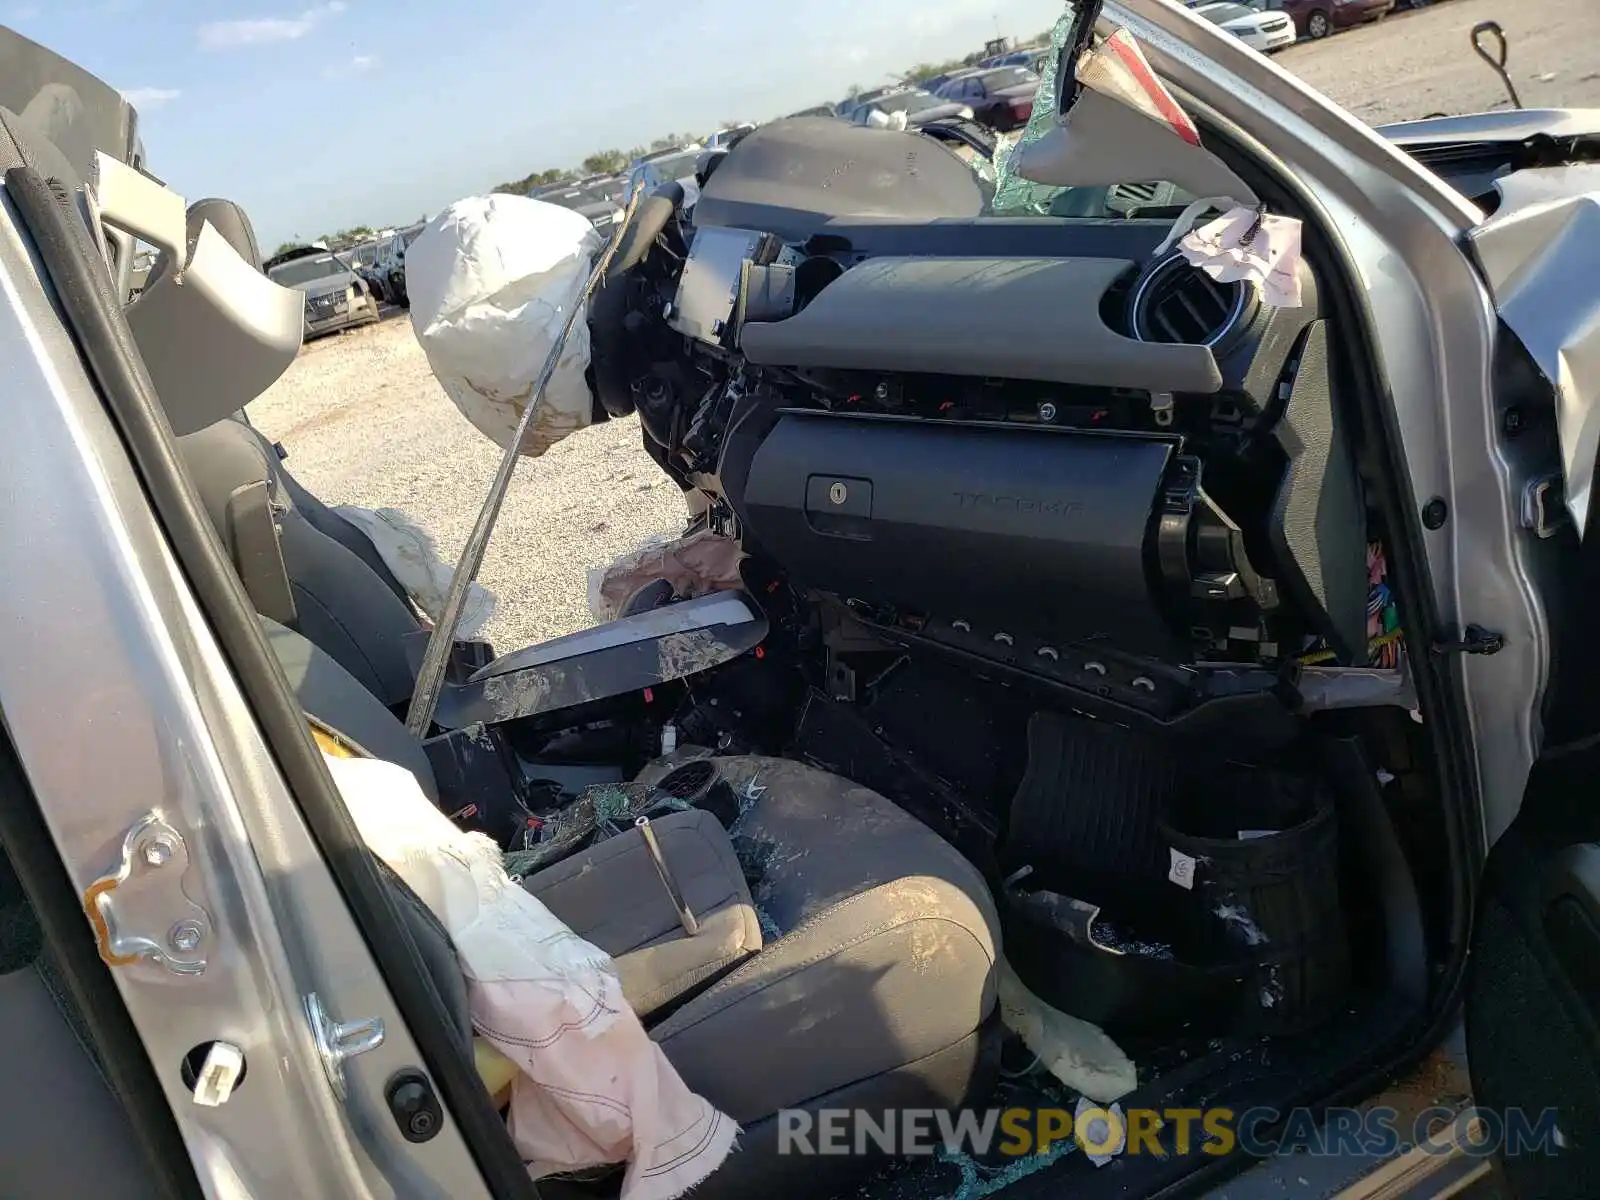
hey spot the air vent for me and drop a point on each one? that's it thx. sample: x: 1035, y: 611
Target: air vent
x: 1177, y: 303
x: 1125, y: 198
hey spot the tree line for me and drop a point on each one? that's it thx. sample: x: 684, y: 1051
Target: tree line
x: 615, y: 161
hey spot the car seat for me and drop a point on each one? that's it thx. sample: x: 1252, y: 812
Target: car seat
x: 846, y: 953
x: 301, y: 563
x: 845, y: 956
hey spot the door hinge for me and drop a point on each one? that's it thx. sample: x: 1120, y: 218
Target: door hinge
x: 1475, y: 639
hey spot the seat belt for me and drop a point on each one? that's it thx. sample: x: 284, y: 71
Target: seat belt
x: 257, y: 555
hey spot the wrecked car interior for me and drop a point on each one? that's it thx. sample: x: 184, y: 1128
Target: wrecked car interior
x: 1030, y: 713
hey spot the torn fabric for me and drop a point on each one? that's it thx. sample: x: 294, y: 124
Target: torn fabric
x: 413, y: 559
x: 1243, y: 245
x: 491, y: 280
x: 1078, y: 1053
x: 591, y: 1087
x: 696, y: 565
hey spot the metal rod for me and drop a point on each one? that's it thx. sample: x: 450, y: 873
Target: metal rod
x: 436, y: 658
x: 653, y: 847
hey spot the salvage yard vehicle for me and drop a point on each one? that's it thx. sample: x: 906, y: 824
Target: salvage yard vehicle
x: 1111, y: 661
x: 1264, y: 31
x: 913, y: 106
x: 1001, y: 98
x: 1318, y: 18
x: 336, y: 296
x: 389, y: 266
x: 665, y: 166
x: 596, y: 201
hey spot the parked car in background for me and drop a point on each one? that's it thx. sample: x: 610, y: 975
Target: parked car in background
x: 597, y: 201
x: 336, y: 297
x: 816, y: 110
x: 143, y: 261
x: 391, y: 265
x: 846, y: 108
x: 919, y: 108
x: 726, y: 137
x: 1265, y: 30
x: 666, y: 166
x: 1001, y: 98
x: 1318, y: 18
x: 936, y: 83
x: 1012, y: 58
x: 363, y: 259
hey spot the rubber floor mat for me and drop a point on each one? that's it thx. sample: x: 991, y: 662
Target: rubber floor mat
x: 1086, y: 814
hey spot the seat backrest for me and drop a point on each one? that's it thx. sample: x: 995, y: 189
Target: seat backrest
x: 302, y: 564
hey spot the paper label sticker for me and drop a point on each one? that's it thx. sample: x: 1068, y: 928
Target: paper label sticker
x: 1182, y: 872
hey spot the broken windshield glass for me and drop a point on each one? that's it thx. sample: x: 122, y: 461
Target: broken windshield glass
x: 1015, y: 196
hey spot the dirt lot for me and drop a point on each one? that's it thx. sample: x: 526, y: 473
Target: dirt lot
x: 366, y: 424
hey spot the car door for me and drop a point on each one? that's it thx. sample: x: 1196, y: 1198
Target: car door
x: 1533, y: 988
x: 976, y: 97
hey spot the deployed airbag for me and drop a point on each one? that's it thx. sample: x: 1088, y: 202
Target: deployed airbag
x: 491, y: 280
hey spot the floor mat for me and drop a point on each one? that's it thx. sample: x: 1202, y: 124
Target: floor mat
x: 1085, y: 816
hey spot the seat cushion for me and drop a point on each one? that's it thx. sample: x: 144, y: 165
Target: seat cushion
x: 330, y: 694
x: 611, y: 895
x: 884, y: 955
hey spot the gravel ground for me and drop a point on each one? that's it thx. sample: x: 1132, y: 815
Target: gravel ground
x: 1412, y: 64
x: 365, y: 423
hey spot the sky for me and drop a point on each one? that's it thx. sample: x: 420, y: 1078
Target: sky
x: 318, y: 116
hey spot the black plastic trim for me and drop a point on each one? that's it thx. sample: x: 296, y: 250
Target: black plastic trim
x: 1438, y: 690
x: 95, y: 319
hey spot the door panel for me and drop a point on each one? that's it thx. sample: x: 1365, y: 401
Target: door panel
x: 1533, y: 988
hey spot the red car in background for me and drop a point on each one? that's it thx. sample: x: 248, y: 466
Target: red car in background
x: 1001, y: 98
x: 1319, y: 18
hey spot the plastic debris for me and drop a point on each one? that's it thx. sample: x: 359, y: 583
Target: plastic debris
x: 1077, y: 1053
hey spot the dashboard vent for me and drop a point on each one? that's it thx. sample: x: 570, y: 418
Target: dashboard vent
x: 1178, y: 303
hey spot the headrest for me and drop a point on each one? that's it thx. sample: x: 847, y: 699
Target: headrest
x: 215, y: 332
x: 229, y: 220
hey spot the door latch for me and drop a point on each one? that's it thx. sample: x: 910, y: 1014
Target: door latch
x: 1475, y: 639
x: 337, y: 1042
x: 140, y: 911
x: 1544, y: 510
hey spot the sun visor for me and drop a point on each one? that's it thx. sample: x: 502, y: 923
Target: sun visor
x: 491, y: 280
x: 1121, y: 126
x: 213, y: 335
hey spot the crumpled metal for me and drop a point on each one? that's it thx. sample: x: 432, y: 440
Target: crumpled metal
x: 1541, y: 258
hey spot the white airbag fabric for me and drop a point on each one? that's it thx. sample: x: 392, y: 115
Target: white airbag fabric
x: 491, y: 281
x: 592, y: 1088
x: 411, y: 555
